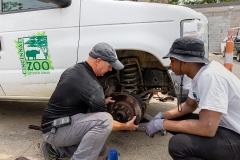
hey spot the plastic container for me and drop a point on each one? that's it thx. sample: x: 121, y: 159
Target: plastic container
x: 112, y: 154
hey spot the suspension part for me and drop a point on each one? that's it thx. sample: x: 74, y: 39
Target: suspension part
x: 131, y: 75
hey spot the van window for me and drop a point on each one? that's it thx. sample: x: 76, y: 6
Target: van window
x: 25, y: 5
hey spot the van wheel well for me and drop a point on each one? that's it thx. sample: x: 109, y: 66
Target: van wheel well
x: 142, y: 72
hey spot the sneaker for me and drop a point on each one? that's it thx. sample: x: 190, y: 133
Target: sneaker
x: 48, y: 152
x: 103, y: 150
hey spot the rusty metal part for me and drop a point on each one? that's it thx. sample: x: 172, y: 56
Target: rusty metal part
x: 34, y: 127
x: 149, y: 91
x: 164, y: 99
x: 142, y: 127
x: 147, y: 117
x: 21, y: 158
x: 131, y: 75
x: 154, y: 77
x: 140, y: 101
x: 126, y: 106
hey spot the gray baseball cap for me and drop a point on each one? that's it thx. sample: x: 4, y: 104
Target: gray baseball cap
x: 106, y: 53
x: 188, y: 50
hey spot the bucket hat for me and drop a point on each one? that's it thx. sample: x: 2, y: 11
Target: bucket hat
x: 106, y: 53
x: 188, y: 50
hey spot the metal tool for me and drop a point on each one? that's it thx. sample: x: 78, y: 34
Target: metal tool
x: 142, y: 127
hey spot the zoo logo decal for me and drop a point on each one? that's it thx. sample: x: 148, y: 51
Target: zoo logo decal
x: 33, y: 54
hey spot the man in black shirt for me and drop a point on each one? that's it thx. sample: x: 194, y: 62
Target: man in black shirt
x: 77, y: 91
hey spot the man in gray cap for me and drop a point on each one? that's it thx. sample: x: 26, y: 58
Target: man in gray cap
x: 68, y: 129
x: 214, y: 133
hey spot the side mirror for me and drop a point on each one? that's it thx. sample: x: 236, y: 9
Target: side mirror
x: 0, y: 6
x: 61, y: 3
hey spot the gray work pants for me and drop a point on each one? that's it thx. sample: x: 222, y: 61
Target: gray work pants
x: 84, y: 138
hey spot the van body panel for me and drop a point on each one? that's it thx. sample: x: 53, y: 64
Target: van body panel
x: 36, y: 47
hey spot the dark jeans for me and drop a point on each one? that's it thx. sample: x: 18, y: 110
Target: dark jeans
x: 225, y: 145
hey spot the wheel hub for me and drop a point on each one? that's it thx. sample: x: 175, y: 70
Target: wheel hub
x: 126, y: 107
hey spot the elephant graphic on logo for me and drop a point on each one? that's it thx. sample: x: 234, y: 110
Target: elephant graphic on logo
x: 32, y: 54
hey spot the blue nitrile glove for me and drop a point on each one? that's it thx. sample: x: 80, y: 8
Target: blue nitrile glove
x: 160, y: 115
x: 154, y: 126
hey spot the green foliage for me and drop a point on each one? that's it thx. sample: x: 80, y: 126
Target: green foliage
x: 11, y: 6
x: 176, y: 2
x: 193, y: 2
x: 40, y: 42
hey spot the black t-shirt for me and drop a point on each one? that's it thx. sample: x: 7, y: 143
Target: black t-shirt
x: 77, y: 91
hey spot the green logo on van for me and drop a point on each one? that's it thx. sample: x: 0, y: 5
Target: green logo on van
x: 34, y: 55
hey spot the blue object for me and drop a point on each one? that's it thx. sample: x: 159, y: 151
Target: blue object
x: 112, y: 154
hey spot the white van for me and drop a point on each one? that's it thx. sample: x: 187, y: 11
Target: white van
x: 39, y: 39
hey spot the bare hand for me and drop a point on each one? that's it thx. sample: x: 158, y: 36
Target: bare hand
x: 109, y: 100
x: 130, y: 124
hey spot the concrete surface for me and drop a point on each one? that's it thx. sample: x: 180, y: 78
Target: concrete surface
x: 17, y: 140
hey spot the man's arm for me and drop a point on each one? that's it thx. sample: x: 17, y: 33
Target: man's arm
x: 109, y: 100
x: 206, y: 125
x: 118, y: 126
x: 189, y: 106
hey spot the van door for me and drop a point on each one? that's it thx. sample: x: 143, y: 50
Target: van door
x: 39, y: 40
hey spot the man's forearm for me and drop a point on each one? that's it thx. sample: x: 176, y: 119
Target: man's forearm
x: 174, y: 113
x: 194, y: 127
x: 117, y: 126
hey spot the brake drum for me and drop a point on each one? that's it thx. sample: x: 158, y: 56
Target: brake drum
x: 126, y: 106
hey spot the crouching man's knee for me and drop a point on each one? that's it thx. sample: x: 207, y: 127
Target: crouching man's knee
x: 176, y: 145
x: 107, y: 121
